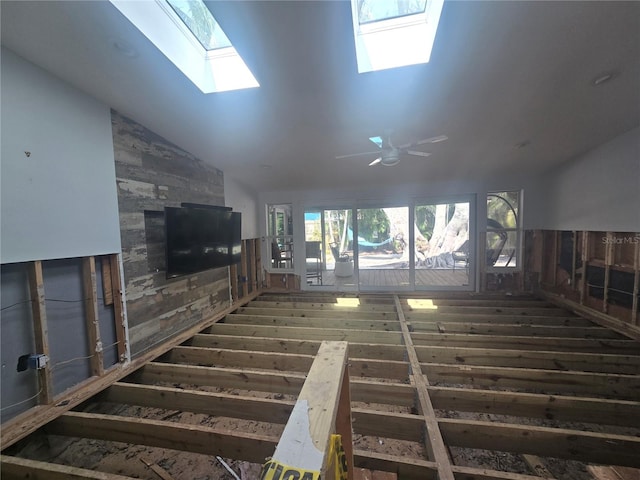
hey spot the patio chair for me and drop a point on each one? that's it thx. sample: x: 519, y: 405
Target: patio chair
x: 461, y: 255
x: 313, y: 261
x: 337, y: 256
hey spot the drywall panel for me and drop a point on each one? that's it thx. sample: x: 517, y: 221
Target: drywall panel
x: 242, y: 200
x: 598, y: 191
x: 19, y: 389
x: 58, y: 186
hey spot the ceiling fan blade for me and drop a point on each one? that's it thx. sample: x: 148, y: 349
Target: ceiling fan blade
x: 418, y: 154
x: 357, y: 154
x: 438, y: 139
x: 376, y: 161
x: 377, y: 140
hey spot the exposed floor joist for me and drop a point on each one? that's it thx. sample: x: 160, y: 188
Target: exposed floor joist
x: 433, y: 373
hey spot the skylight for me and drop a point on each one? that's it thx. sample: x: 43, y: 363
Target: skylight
x: 197, y: 17
x: 390, y: 34
x: 375, y: 10
x: 186, y: 32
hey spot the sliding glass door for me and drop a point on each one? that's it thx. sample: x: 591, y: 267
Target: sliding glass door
x: 383, y: 249
x: 442, y: 253
x: 425, y: 246
x: 329, y: 249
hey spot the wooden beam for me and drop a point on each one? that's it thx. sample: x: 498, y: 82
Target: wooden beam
x: 413, y: 305
x: 300, y: 347
x: 40, y: 330
x: 598, y: 472
x: 537, y: 466
x: 636, y: 284
x: 470, y: 473
x: 608, y: 261
x: 585, y: 261
x: 576, y: 445
x: 154, y: 433
x: 233, y: 280
x: 605, y: 384
x: 516, y: 330
x: 312, y: 322
x: 351, y: 305
x: 243, y: 379
x: 155, y: 468
x: 501, y: 310
x: 243, y: 268
x: 538, y: 359
x: 551, y: 407
x: 257, y: 264
x: 306, y: 439
x: 405, y: 467
x: 343, y: 426
x: 239, y: 359
x: 310, y: 313
x: 290, y: 383
x: 620, y: 326
x: 209, y: 403
x: 567, y: 321
x: 302, y: 333
x: 622, y: 347
x: 15, y: 468
x: 433, y: 439
x: 281, y: 361
x: 400, y: 426
x: 91, y: 315
x: 118, y: 308
x: 574, y: 257
x: 554, y: 257
x: 107, y: 288
x: 368, y: 391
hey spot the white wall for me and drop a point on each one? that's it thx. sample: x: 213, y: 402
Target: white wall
x: 598, y: 191
x: 61, y: 200
x: 242, y: 200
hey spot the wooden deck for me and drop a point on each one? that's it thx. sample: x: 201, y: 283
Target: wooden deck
x: 394, y: 278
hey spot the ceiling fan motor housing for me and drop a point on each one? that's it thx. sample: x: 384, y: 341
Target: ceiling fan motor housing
x: 391, y: 158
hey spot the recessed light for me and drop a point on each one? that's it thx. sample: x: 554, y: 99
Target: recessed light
x: 603, y: 78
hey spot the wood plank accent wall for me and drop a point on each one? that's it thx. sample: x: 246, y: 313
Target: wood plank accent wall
x: 152, y: 173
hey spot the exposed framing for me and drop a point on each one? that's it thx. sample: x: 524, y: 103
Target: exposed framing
x: 40, y: 330
x: 232, y: 343
x: 614, y: 252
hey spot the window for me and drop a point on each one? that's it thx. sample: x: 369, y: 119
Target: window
x: 375, y: 10
x: 186, y: 32
x: 280, y: 235
x: 197, y: 17
x: 394, y: 33
x: 503, y: 229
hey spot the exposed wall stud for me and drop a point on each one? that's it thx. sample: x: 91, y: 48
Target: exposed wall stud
x: 40, y: 329
x: 91, y: 314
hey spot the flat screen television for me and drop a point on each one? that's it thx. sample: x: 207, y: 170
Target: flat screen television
x: 199, y: 239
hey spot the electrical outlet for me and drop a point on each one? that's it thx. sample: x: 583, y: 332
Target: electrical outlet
x: 37, y: 361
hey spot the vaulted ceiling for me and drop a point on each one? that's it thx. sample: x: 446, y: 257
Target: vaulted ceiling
x: 510, y: 84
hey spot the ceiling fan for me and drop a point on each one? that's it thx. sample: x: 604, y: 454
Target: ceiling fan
x: 389, y: 154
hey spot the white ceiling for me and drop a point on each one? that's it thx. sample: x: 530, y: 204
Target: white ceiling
x: 501, y: 73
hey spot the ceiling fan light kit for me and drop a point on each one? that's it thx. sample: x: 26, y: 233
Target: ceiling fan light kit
x: 389, y: 155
